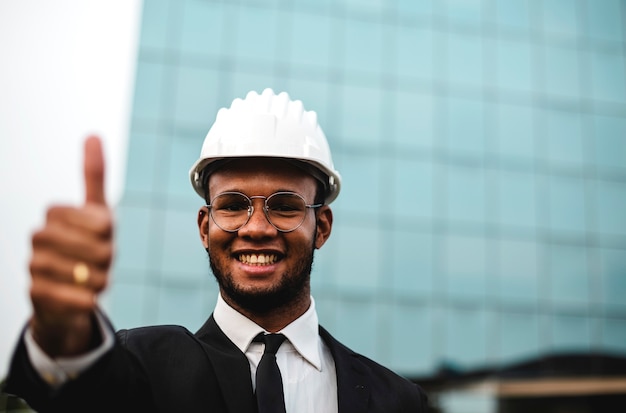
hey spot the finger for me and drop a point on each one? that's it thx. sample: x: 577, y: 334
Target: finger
x: 46, y: 265
x: 75, y: 245
x: 94, y: 220
x: 94, y: 171
x: 50, y: 297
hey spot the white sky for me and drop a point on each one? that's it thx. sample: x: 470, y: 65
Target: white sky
x: 67, y: 71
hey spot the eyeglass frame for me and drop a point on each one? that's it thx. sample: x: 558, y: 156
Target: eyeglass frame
x: 265, y: 209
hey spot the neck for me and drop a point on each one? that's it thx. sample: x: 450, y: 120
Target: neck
x: 275, y: 319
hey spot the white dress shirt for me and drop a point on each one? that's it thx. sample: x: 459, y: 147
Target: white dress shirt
x: 306, y: 365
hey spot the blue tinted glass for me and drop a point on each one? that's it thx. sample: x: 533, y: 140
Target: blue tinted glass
x: 360, y: 247
x: 518, y: 271
x: 569, y: 274
x: 196, y: 92
x: 141, y: 165
x: 312, y: 4
x: 465, y: 11
x: 413, y: 119
x: 132, y: 236
x: 183, y: 151
x: 414, y: 51
x: 564, y: 137
x: 514, y: 65
x: 466, y: 126
x: 314, y: 95
x: 257, y: 33
x: 610, y: 142
x: 148, y: 98
x: 363, y: 46
x: 513, y: 13
x: 464, y: 265
x: 243, y: 82
x: 516, y: 201
x: 613, y: 281
x: 570, y: 333
x: 183, y: 305
x: 323, y: 272
x: 607, y: 79
x: 561, y: 71
x: 412, y: 8
x: 183, y: 257
x: 361, y: 124
x: 567, y: 204
x: 154, y: 24
x: 514, y: 131
x: 604, y: 19
x: 466, y: 194
x: 466, y: 337
x: 126, y: 303
x: 610, y: 205
x: 408, y: 340
x: 355, y: 320
x: 359, y: 176
x: 411, y: 263
x: 614, y: 335
x: 202, y: 27
x: 413, y: 183
x: 374, y: 7
x: 518, y: 335
x: 559, y: 16
x: 465, y: 59
x: 311, y: 40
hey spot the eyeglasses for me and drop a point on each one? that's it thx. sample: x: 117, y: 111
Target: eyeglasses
x: 284, y: 210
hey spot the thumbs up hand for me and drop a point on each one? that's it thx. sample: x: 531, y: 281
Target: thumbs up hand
x: 70, y: 262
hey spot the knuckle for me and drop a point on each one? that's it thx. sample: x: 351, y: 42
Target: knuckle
x: 38, y: 263
x: 101, y: 219
x: 55, y: 212
x: 103, y: 254
x: 38, y: 237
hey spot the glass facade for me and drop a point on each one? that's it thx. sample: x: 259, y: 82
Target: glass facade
x: 482, y: 146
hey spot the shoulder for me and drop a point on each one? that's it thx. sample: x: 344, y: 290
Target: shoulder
x: 151, y: 333
x: 157, y: 339
x: 384, y: 383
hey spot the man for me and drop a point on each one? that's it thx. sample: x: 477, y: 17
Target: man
x: 267, y: 177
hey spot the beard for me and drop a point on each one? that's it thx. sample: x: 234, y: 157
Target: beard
x: 293, y: 284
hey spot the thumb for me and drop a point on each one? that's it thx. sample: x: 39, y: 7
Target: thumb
x: 94, y: 171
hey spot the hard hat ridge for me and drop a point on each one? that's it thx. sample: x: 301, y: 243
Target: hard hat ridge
x: 268, y: 125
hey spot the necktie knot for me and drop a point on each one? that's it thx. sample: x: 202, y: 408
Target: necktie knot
x: 272, y: 342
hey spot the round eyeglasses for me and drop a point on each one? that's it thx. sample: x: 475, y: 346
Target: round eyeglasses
x: 284, y: 210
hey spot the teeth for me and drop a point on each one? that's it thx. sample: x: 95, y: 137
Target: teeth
x: 258, y: 259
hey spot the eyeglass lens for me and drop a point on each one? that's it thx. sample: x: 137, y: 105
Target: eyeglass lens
x: 284, y: 210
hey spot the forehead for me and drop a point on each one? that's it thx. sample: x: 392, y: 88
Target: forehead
x: 261, y: 176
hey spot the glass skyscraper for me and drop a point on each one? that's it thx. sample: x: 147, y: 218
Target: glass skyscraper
x: 482, y: 144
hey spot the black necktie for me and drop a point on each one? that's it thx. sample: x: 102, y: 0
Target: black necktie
x: 269, y: 383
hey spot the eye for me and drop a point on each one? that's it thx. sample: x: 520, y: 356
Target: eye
x: 234, y: 207
x: 230, y: 203
x: 283, y: 207
x: 285, y: 204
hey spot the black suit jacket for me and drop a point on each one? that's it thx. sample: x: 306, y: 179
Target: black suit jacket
x: 169, y: 369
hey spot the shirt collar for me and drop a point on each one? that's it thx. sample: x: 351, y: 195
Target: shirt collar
x: 302, y: 333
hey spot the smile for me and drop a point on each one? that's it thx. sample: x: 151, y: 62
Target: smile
x: 257, y: 259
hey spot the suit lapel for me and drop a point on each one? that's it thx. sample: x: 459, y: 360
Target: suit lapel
x: 353, y: 385
x: 231, y: 368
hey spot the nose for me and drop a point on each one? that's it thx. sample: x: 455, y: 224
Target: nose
x: 258, y: 226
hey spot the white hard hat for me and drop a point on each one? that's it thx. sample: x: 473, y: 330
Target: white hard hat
x: 268, y: 125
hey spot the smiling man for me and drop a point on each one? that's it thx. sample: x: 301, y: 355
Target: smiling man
x: 267, y: 178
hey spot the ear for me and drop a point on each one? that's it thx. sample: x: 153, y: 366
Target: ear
x: 203, y: 226
x: 324, y: 224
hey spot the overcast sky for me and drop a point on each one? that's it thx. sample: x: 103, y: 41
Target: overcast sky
x: 67, y: 71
